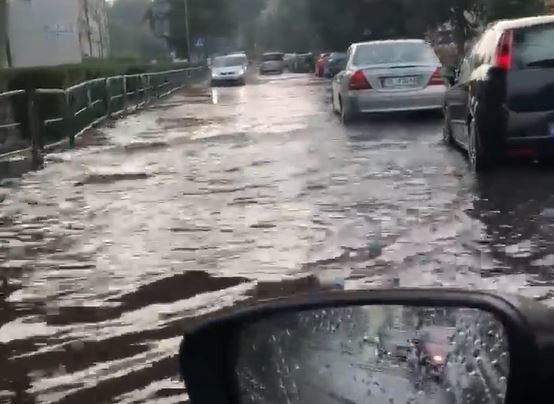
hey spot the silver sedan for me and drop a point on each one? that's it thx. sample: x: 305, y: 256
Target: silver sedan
x: 387, y: 76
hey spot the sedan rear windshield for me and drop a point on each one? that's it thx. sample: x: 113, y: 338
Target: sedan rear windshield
x: 272, y: 57
x: 534, y: 47
x: 394, y: 53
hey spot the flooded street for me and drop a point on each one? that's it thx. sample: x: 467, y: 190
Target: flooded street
x: 221, y: 197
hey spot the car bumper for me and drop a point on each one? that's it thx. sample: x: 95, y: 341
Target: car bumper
x: 365, y: 101
x: 230, y: 78
x: 271, y: 70
x: 529, y: 133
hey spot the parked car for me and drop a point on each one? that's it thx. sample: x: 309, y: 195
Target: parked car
x: 302, y: 63
x: 272, y: 62
x: 229, y: 69
x: 335, y: 64
x: 320, y: 64
x: 385, y: 76
x: 501, y: 102
x: 287, y: 59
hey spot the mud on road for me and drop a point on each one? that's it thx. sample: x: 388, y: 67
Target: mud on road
x: 222, y: 197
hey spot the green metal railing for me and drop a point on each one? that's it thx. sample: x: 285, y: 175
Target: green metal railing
x: 87, y: 104
x: 5, y: 97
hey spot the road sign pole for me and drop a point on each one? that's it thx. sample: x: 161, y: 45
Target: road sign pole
x: 187, y: 29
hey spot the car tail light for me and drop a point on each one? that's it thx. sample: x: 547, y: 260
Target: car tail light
x: 503, y: 57
x: 358, y: 81
x: 436, y: 78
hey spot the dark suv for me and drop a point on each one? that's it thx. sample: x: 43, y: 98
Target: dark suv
x: 501, y: 102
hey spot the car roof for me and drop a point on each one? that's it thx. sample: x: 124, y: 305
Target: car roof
x: 523, y: 22
x: 234, y: 55
x: 273, y: 53
x: 390, y: 41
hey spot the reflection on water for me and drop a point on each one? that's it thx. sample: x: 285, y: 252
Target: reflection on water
x: 517, y: 210
x: 376, y: 354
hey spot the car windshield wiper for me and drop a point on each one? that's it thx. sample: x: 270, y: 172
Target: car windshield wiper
x: 542, y: 63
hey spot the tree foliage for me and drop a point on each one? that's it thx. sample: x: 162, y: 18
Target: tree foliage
x: 129, y: 35
x: 303, y: 25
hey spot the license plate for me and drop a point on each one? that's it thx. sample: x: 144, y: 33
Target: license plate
x: 400, y: 82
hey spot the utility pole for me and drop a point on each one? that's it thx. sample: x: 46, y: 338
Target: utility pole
x: 3, y: 33
x: 187, y: 29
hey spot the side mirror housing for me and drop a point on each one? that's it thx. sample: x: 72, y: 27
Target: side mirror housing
x: 286, y: 347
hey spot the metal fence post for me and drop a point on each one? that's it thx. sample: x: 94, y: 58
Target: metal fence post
x: 146, y: 79
x: 34, y: 129
x: 68, y: 116
x: 125, y: 99
x: 154, y: 87
x: 108, y: 98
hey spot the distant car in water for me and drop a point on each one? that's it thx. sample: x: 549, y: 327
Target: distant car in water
x: 229, y: 69
x: 287, y: 59
x: 387, y: 76
x: 395, y: 344
x: 433, y: 347
x: 302, y: 63
x: 335, y: 64
x: 501, y: 101
x: 320, y: 64
x: 272, y: 62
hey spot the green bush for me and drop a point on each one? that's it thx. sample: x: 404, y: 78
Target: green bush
x: 64, y: 76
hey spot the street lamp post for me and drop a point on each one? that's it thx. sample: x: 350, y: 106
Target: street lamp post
x: 187, y: 29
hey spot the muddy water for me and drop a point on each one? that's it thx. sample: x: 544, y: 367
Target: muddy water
x: 222, y: 197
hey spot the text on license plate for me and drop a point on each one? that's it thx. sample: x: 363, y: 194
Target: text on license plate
x: 400, y: 82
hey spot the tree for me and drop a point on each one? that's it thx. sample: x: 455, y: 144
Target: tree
x: 130, y: 36
x: 304, y: 25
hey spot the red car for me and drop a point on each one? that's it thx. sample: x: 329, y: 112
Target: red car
x: 320, y: 64
x: 433, y: 348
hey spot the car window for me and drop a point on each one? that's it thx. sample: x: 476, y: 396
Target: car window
x: 532, y: 45
x: 229, y: 61
x: 272, y: 57
x: 394, y: 52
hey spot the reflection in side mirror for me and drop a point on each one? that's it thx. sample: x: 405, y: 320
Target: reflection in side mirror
x: 374, y: 354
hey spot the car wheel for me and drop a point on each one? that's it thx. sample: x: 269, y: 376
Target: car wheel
x: 346, y: 116
x: 478, y: 158
x: 447, y: 130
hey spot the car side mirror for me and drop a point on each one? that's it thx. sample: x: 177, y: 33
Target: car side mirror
x: 320, y: 348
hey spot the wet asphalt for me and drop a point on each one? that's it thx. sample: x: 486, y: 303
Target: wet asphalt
x: 221, y: 197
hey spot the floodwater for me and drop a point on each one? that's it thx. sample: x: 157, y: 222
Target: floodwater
x: 222, y: 197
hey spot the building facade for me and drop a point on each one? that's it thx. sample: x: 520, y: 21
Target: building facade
x: 53, y: 32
